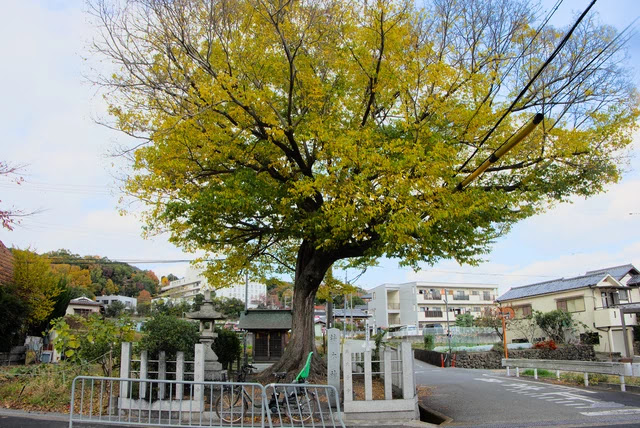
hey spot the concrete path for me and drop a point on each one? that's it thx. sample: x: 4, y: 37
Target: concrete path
x: 487, y: 398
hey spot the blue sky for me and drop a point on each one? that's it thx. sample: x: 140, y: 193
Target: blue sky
x: 48, y: 120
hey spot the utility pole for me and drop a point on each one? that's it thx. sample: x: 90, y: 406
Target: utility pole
x: 344, y: 315
x: 246, y: 309
x: 446, y: 308
x: 351, y: 305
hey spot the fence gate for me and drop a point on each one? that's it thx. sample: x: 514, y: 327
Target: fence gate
x: 174, y: 403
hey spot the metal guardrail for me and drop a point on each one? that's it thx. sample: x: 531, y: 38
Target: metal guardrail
x: 302, y: 405
x: 171, y: 403
x: 586, y: 367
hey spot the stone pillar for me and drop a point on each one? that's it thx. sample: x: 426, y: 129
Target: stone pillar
x: 333, y: 360
x: 198, y: 373
x: 388, y: 377
x: 125, y: 368
x: 179, y: 374
x: 347, y: 376
x: 162, y: 372
x: 408, y: 385
x: 144, y: 372
x: 368, y: 382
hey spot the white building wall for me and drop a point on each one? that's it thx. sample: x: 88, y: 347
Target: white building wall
x: 413, y: 304
x: 378, y: 306
x: 129, y: 302
x: 194, y: 283
x: 408, y: 304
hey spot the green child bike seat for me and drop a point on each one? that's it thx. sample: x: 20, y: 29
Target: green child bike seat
x: 304, y: 373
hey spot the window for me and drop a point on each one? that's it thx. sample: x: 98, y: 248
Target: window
x: 476, y: 309
x: 575, y: 304
x: 82, y: 312
x: 523, y: 311
x: 486, y: 295
x: 475, y: 293
x: 624, y: 294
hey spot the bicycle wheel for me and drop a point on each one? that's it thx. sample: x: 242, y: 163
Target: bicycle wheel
x: 300, y: 410
x: 230, y: 406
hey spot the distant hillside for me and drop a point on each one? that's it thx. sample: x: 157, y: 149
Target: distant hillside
x: 100, y: 276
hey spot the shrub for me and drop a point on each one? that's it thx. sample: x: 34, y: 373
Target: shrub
x: 227, y: 347
x: 171, y: 335
x: 541, y: 373
x: 429, y: 342
x: 557, y: 325
x: 91, y: 339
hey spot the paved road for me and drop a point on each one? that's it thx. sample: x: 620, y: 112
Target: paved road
x: 478, y: 398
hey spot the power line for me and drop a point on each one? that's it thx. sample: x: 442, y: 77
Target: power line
x: 78, y: 260
x: 528, y: 85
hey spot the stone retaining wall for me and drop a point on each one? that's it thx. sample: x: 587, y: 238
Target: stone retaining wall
x: 493, y: 359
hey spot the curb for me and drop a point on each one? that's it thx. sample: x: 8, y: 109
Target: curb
x: 35, y: 415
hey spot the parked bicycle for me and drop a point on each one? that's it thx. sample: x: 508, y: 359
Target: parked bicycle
x: 296, y: 403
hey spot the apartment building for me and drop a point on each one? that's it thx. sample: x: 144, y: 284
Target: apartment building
x: 604, y: 301
x: 194, y: 282
x: 129, y: 302
x: 423, y: 304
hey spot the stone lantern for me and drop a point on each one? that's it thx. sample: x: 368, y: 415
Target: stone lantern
x: 207, y: 315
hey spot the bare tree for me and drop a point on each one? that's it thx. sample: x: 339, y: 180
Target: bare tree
x: 10, y: 216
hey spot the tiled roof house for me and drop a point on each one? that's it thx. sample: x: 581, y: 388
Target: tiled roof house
x: 6, y: 265
x: 600, y: 299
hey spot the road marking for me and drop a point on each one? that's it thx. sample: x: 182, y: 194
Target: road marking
x: 569, y: 388
x: 489, y: 380
x: 612, y: 412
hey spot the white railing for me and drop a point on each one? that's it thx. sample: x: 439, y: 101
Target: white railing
x: 586, y: 367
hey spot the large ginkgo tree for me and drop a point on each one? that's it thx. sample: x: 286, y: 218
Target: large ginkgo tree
x: 286, y: 136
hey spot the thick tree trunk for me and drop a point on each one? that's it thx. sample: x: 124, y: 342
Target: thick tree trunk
x: 311, y: 267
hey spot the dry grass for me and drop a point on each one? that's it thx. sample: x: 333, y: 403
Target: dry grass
x: 43, y: 387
